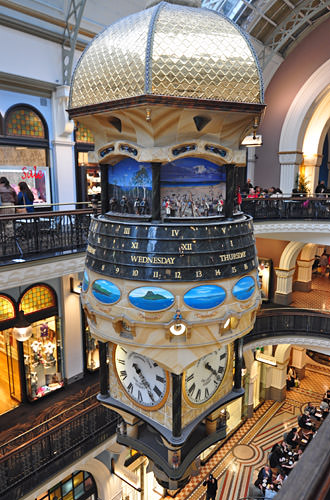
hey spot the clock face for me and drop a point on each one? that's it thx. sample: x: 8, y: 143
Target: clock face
x: 145, y: 382
x: 203, y: 379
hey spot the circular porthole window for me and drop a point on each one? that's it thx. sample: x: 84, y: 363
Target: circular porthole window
x: 105, y: 291
x: 204, y: 297
x: 85, y: 283
x: 244, y: 288
x: 151, y: 298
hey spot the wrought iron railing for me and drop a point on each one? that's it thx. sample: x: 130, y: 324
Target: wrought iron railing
x: 33, y: 457
x: 23, y: 236
x: 280, y: 321
x: 299, y: 207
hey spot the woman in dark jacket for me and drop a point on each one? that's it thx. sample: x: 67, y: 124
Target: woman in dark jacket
x: 25, y: 196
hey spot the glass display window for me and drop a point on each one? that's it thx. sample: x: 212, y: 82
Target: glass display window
x: 36, y: 177
x: 42, y: 359
x: 79, y: 485
x: 93, y: 179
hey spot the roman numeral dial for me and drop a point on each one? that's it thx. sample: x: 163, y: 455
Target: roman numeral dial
x: 144, y: 381
x: 203, y: 379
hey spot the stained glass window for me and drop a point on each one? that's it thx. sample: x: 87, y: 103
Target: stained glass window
x: 83, y: 134
x: 37, y: 298
x: 25, y: 123
x: 7, y: 308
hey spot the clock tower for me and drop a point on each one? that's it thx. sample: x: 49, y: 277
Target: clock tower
x: 170, y: 285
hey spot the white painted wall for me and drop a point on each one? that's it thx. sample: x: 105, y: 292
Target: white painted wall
x: 23, y: 54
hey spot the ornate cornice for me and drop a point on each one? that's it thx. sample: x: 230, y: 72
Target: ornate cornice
x: 289, y: 339
x: 291, y: 227
x: 30, y: 272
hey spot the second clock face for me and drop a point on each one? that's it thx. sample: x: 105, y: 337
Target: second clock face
x: 144, y: 381
x: 203, y: 379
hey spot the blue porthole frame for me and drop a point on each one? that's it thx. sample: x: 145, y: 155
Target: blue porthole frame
x: 151, y: 310
x: 242, y: 278
x: 100, y: 301
x: 205, y: 308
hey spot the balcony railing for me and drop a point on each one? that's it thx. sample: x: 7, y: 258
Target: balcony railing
x: 47, y: 233
x: 289, y: 321
x: 42, y: 234
x: 30, y: 459
x: 287, y: 207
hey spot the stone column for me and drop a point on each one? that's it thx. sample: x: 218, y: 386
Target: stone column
x: 277, y: 390
x: 289, y: 161
x: 304, y: 277
x: 312, y: 169
x: 283, y: 294
x: 63, y: 175
x: 299, y: 360
x: 268, y: 373
x: 251, y: 395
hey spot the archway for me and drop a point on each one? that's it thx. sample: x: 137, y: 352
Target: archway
x: 304, y: 130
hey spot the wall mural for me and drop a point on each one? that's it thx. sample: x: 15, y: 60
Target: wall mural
x: 192, y: 187
x: 130, y: 185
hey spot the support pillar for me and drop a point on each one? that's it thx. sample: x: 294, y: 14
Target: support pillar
x: 283, y: 294
x: 290, y: 162
x: 238, y: 346
x: 299, y: 360
x: 104, y: 189
x: 104, y: 371
x: 155, y: 208
x: 230, y: 191
x: 64, y: 184
x: 277, y: 390
x: 176, y: 405
x: 312, y: 170
x: 304, y: 277
x: 250, y: 405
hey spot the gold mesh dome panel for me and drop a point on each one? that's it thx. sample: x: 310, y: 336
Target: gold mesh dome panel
x: 168, y: 50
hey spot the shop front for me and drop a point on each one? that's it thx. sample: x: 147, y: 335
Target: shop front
x: 88, y: 176
x: 31, y: 358
x: 24, y: 152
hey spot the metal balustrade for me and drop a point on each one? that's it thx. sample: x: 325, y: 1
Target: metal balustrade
x: 24, y: 237
x: 33, y: 457
x: 280, y: 321
x: 298, y: 207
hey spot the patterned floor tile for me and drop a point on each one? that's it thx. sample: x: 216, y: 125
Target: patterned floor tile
x: 260, y: 432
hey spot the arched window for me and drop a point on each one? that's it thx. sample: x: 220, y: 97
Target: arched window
x: 24, y: 122
x: 7, y: 308
x: 83, y: 134
x: 80, y: 485
x: 24, y: 151
x: 37, y: 298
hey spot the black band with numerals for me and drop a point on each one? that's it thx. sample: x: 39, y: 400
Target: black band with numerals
x: 168, y: 252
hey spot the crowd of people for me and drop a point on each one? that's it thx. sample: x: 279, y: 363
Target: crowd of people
x: 250, y: 191
x: 190, y: 206
x: 284, y: 456
x: 9, y: 197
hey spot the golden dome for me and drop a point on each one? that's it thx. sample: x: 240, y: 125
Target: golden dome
x: 168, y: 50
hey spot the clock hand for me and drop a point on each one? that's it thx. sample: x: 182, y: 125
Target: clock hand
x: 144, y: 381
x: 209, y: 367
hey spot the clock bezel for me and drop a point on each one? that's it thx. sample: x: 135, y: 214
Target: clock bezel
x: 136, y: 403
x: 211, y: 398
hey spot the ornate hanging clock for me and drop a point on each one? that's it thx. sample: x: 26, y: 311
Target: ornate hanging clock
x: 144, y: 381
x: 203, y: 379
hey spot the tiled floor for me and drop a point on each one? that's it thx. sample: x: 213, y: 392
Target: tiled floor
x: 237, y: 462
x: 317, y: 298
